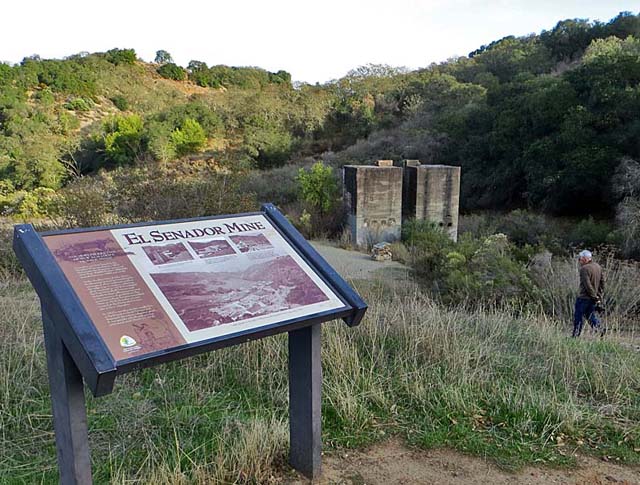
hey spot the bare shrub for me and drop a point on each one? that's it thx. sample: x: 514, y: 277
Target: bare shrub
x: 278, y: 186
x: 558, y: 287
x: 154, y: 192
x: 628, y: 222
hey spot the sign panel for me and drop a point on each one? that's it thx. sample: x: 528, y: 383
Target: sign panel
x: 152, y: 288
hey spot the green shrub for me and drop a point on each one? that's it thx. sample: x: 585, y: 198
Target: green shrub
x: 122, y: 138
x: 590, y: 233
x: 172, y: 71
x: 472, y: 271
x: 270, y: 146
x: 79, y: 104
x: 121, y: 56
x: 159, y: 141
x: 318, y: 187
x: 120, y: 102
x: 198, y: 110
x: 428, y: 246
x: 6, y: 187
x: 189, y: 138
x: 321, y: 203
x: 28, y: 205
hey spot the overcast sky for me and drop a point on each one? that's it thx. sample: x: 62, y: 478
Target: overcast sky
x: 314, y: 41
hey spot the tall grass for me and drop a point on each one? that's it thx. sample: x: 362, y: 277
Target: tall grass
x: 558, y: 285
x: 512, y: 388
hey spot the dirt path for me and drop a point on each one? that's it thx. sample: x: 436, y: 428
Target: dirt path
x: 392, y: 463
x: 356, y: 265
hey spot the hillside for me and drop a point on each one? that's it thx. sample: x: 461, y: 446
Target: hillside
x: 541, y: 121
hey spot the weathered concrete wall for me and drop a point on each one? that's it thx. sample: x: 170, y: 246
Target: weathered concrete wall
x: 373, y: 198
x: 433, y: 193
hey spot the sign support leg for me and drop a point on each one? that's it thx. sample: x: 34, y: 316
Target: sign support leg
x: 69, y: 411
x: 305, y: 387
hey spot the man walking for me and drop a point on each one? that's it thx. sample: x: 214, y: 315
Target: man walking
x: 591, y: 292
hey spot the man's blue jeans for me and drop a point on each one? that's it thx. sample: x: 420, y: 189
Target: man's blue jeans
x: 585, y: 308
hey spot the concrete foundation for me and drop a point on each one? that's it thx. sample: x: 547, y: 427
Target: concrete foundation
x: 432, y: 192
x: 373, y: 199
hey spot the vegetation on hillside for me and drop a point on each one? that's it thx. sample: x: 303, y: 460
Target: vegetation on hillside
x: 547, y: 118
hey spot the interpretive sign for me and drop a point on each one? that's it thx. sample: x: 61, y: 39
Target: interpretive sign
x: 151, y: 288
x: 124, y: 297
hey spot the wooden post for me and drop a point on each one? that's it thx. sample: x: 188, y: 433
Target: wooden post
x: 305, y: 388
x: 69, y: 410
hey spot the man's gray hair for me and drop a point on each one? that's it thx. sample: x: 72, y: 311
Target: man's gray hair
x: 585, y: 253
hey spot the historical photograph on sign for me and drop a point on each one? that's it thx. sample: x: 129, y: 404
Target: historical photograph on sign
x: 207, y: 299
x: 212, y: 249
x: 248, y: 244
x: 168, y: 253
x: 216, y: 277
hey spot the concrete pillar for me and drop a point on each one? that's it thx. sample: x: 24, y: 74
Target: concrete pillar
x: 433, y: 193
x: 373, y: 199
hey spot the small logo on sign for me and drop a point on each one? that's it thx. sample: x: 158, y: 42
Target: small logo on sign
x: 126, y: 341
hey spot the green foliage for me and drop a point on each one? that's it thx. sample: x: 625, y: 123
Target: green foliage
x: 172, y: 71
x: 487, y: 270
x: 318, y: 187
x: 429, y: 247
x: 36, y: 204
x: 270, y: 146
x: 590, y: 233
x: 121, y: 56
x: 6, y: 74
x: 189, y: 138
x: 122, y: 138
x: 79, y: 104
x: 243, y: 77
x: 120, y: 102
x: 32, y: 139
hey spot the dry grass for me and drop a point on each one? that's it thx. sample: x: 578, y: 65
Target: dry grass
x: 512, y: 388
x: 558, y: 290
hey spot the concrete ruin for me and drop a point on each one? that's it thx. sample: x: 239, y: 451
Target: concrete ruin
x: 405, y: 185
x: 432, y: 192
x: 373, y: 200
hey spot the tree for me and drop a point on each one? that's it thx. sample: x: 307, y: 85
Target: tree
x: 189, y: 138
x: 122, y: 138
x: 163, y: 57
x: 318, y: 187
x: 121, y: 56
x: 172, y: 71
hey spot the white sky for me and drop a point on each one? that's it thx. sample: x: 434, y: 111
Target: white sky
x: 314, y: 41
